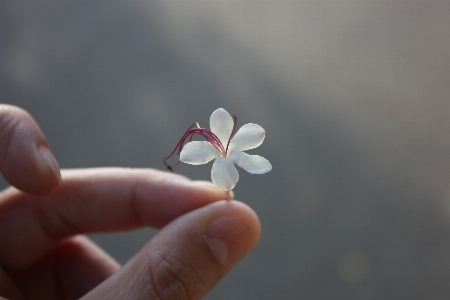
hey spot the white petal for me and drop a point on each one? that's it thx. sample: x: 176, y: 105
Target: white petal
x: 224, y: 173
x: 254, y: 164
x: 198, y: 153
x: 221, y: 124
x: 248, y: 137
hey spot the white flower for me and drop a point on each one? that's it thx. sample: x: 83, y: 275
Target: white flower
x: 227, y: 149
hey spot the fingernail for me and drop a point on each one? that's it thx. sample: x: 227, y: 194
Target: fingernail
x: 48, y: 159
x: 220, y: 192
x: 230, y: 194
x: 224, y: 195
x: 227, y: 238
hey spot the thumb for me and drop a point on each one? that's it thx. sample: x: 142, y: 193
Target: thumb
x: 25, y: 159
x: 186, y: 258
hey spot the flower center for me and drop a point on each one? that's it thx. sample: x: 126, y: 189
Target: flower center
x: 207, y: 134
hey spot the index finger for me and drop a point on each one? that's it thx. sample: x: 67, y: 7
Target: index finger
x: 94, y: 200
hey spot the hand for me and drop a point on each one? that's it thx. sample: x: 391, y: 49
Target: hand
x: 43, y: 254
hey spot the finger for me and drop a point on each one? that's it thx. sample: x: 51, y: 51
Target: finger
x: 25, y: 158
x: 82, y: 265
x: 94, y: 200
x: 8, y: 288
x: 185, y: 259
x: 74, y: 268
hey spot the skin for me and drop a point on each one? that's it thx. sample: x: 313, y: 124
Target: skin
x: 44, y: 253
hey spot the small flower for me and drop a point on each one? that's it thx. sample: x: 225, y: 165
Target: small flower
x: 227, y: 149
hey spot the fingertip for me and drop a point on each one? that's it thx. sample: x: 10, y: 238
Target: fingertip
x: 49, y: 161
x: 233, y: 233
x: 214, y: 191
x: 25, y: 159
x: 28, y: 170
x: 50, y: 171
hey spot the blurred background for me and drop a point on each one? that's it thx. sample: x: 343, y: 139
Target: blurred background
x: 354, y: 97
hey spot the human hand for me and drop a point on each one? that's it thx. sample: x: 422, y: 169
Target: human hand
x: 43, y: 254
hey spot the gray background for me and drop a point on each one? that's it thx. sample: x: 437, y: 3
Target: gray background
x: 354, y: 97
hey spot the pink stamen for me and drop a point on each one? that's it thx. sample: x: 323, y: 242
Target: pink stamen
x: 207, y: 134
x: 232, y: 132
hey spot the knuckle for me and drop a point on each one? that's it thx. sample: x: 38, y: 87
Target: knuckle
x: 173, y: 278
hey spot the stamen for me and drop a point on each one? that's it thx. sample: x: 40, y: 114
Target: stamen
x: 232, y: 133
x: 207, y: 134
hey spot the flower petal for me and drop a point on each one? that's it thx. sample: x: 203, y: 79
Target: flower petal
x: 254, y: 164
x: 198, y: 153
x: 221, y: 124
x: 248, y: 137
x: 224, y: 173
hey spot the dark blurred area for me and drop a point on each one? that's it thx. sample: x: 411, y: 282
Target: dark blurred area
x: 354, y: 97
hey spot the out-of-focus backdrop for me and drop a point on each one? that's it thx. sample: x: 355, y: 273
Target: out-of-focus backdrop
x: 354, y: 97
